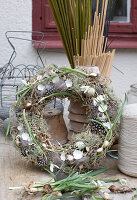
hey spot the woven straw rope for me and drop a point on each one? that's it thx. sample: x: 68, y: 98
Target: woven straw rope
x: 127, y: 154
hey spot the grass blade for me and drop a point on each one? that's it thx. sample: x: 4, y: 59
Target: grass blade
x: 109, y: 180
x: 56, y: 95
x: 97, y: 172
x: 21, y: 90
x: 19, y: 100
x: 51, y: 173
x: 36, y: 83
x: 74, y: 71
x: 31, y: 134
x: 117, y: 118
x: 9, y: 123
x: 119, y: 113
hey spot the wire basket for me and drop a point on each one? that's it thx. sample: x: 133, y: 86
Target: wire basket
x: 11, y: 74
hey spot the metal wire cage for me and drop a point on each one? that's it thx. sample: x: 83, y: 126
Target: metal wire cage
x: 11, y: 74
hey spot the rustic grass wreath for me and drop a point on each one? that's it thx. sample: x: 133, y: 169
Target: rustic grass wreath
x: 30, y: 125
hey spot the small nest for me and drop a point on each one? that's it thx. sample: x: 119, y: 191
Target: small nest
x: 30, y: 130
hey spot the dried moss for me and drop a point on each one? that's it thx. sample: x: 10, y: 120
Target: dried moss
x: 88, y: 138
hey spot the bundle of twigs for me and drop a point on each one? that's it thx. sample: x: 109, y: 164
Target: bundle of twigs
x: 82, y: 32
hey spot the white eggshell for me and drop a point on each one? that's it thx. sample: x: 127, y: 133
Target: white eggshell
x: 91, y: 92
x: 107, y: 125
x: 84, y: 88
x: 100, y: 98
x: 41, y: 87
x: 106, y: 143
x: 20, y: 127
x: 51, y: 167
x: 93, y: 74
x: 44, y: 145
x: 80, y: 145
x: 63, y: 158
x: 68, y: 83
x: 26, y: 137
x: 102, y: 108
x: 77, y: 154
x: 33, y: 190
x: 70, y: 157
x: 100, y: 150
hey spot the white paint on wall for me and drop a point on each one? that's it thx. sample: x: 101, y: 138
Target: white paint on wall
x: 128, y: 10
x: 14, y: 15
x: 17, y: 15
x: 126, y: 61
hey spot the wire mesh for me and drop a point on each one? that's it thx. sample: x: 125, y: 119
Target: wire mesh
x: 11, y: 74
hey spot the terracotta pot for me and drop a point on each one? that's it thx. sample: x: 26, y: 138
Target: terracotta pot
x: 78, y: 118
x: 77, y: 107
x: 77, y: 110
x: 56, y: 125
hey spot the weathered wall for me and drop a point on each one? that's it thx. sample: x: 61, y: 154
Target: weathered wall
x: 17, y: 15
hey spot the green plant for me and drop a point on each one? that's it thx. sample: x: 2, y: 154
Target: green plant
x: 9, y: 124
x: 76, y: 184
x: 31, y: 133
x: 72, y: 18
x: 112, y: 126
x: 27, y: 88
x: 81, y: 25
x: 56, y: 95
